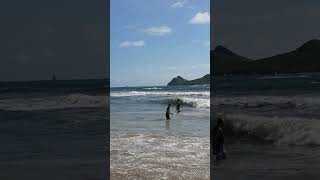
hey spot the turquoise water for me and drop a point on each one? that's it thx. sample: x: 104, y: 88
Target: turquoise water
x: 146, y: 145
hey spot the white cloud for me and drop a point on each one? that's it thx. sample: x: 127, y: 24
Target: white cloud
x: 200, y: 18
x: 158, y: 31
x: 172, y: 68
x: 178, y: 4
x: 206, y: 43
x: 196, y: 41
x: 132, y: 44
x: 203, y: 42
x: 187, y: 67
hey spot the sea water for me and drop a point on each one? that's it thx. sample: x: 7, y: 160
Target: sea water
x: 53, y: 129
x: 144, y: 145
x: 272, y: 126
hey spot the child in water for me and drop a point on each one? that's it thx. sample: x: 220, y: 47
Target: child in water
x: 168, y: 112
x: 178, y: 105
x: 218, y: 140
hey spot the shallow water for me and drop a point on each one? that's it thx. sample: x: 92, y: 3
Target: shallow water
x: 144, y: 145
x: 265, y: 161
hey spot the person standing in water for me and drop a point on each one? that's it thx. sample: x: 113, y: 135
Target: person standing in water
x: 178, y: 105
x: 218, y: 140
x: 168, y: 112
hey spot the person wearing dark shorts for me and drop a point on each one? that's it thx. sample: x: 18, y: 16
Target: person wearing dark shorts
x: 168, y: 112
x: 178, y: 106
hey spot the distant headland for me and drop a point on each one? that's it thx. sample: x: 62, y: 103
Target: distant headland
x: 305, y: 58
x: 181, y: 81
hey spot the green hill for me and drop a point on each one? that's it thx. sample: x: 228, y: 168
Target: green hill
x: 181, y: 81
x: 305, y: 58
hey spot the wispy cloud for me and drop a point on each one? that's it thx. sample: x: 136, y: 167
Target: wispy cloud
x: 195, y: 41
x: 188, y: 67
x: 157, y: 31
x: 178, y: 4
x: 132, y: 44
x: 203, y: 42
x: 200, y: 18
x: 172, y: 68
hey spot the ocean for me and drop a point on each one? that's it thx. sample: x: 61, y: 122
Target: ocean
x: 272, y: 126
x: 144, y: 145
x: 53, y: 130
x: 57, y: 129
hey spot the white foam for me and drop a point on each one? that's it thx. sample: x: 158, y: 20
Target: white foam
x: 280, y: 130
x: 254, y: 101
x: 159, y: 93
x: 155, y: 156
x: 196, y: 102
x: 152, y: 88
x: 198, y: 99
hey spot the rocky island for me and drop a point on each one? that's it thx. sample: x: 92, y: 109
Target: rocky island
x: 305, y: 58
x: 181, y: 81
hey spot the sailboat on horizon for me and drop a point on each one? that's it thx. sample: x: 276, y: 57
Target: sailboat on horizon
x: 54, y: 77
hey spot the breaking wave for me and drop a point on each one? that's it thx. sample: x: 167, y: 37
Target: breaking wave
x: 279, y: 130
x: 158, y: 93
x: 56, y: 102
x: 152, y: 88
x: 190, y: 101
x: 195, y: 99
x: 260, y: 101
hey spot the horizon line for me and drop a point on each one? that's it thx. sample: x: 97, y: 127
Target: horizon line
x: 80, y: 79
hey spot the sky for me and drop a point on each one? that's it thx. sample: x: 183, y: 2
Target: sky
x: 258, y: 29
x: 153, y: 41
x: 65, y: 37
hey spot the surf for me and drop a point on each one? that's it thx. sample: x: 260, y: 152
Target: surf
x: 159, y: 93
x: 54, y: 102
x: 278, y: 130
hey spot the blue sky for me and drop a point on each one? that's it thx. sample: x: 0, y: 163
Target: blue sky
x: 153, y: 41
